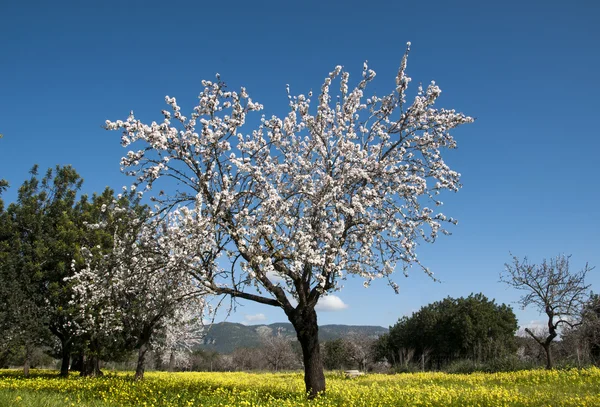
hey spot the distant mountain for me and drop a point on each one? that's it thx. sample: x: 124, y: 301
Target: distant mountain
x: 225, y: 337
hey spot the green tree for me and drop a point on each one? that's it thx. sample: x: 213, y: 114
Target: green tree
x: 23, y: 260
x: 585, y: 338
x: 98, y: 228
x: 337, y: 355
x: 472, y: 327
x: 42, y: 235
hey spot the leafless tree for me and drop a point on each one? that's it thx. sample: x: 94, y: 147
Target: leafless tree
x: 554, y: 290
x: 278, y: 352
x: 360, y: 349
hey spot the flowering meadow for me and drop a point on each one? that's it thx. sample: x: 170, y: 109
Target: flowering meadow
x: 576, y: 387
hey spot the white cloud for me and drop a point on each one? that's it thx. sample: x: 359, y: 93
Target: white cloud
x: 255, y: 318
x: 331, y: 303
x: 536, y: 326
x: 275, y: 278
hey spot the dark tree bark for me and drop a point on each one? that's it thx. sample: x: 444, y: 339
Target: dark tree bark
x: 549, y: 363
x: 77, y: 363
x: 304, y: 321
x: 65, y: 358
x: 27, y: 362
x: 143, y: 347
x: 547, y: 343
x: 91, y: 362
x: 91, y: 367
x: 140, y: 368
x: 66, y: 348
x: 172, y: 361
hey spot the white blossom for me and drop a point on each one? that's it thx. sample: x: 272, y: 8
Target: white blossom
x: 337, y: 187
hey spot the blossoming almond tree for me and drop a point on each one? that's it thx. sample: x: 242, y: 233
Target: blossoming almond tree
x: 138, y: 289
x: 335, y: 188
x: 183, y: 331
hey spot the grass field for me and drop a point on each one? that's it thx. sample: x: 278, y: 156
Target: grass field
x: 525, y: 388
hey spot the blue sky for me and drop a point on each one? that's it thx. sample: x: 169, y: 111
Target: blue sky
x: 527, y: 70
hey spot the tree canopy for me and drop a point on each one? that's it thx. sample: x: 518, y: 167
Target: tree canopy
x: 281, y: 213
x: 472, y: 327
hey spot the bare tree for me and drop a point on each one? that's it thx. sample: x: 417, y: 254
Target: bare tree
x: 360, y: 349
x: 554, y: 290
x: 278, y: 352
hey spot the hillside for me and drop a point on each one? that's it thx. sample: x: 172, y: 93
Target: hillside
x: 224, y: 337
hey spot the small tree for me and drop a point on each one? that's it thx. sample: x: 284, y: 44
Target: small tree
x: 585, y: 338
x: 297, y: 204
x: 182, y: 331
x: 360, y: 350
x: 554, y: 290
x: 336, y: 354
x: 39, y: 238
x: 278, y: 352
x: 590, y: 329
x: 135, y: 289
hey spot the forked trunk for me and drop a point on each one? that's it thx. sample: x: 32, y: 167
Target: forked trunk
x: 307, y: 331
x: 65, y: 350
x: 141, y: 362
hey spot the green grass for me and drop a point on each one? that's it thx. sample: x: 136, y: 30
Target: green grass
x: 16, y: 398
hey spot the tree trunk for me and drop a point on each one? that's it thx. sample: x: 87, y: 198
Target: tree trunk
x: 172, y: 361
x: 91, y: 360
x: 65, y: 350
x: 66, y: 359
x: 548, y: 357
x: 139, y: 370
x: 91, y: 367
x: 77, y: 362
x: 27, y: 362
x: 307, y: 331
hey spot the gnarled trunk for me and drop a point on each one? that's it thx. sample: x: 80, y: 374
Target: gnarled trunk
x: 548, y: 356
x: 66, y: 342
x: 304, y: 321
x: 77, y: 362
x: 141, y: 362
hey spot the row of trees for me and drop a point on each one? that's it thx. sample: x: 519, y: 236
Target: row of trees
x: 91, y: 277
x: 88, y: 278
x: 478, y: 329
x: 343, y: 184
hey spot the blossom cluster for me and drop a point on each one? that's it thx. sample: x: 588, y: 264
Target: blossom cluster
x: 342, y: 185
x: 137, y: 285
